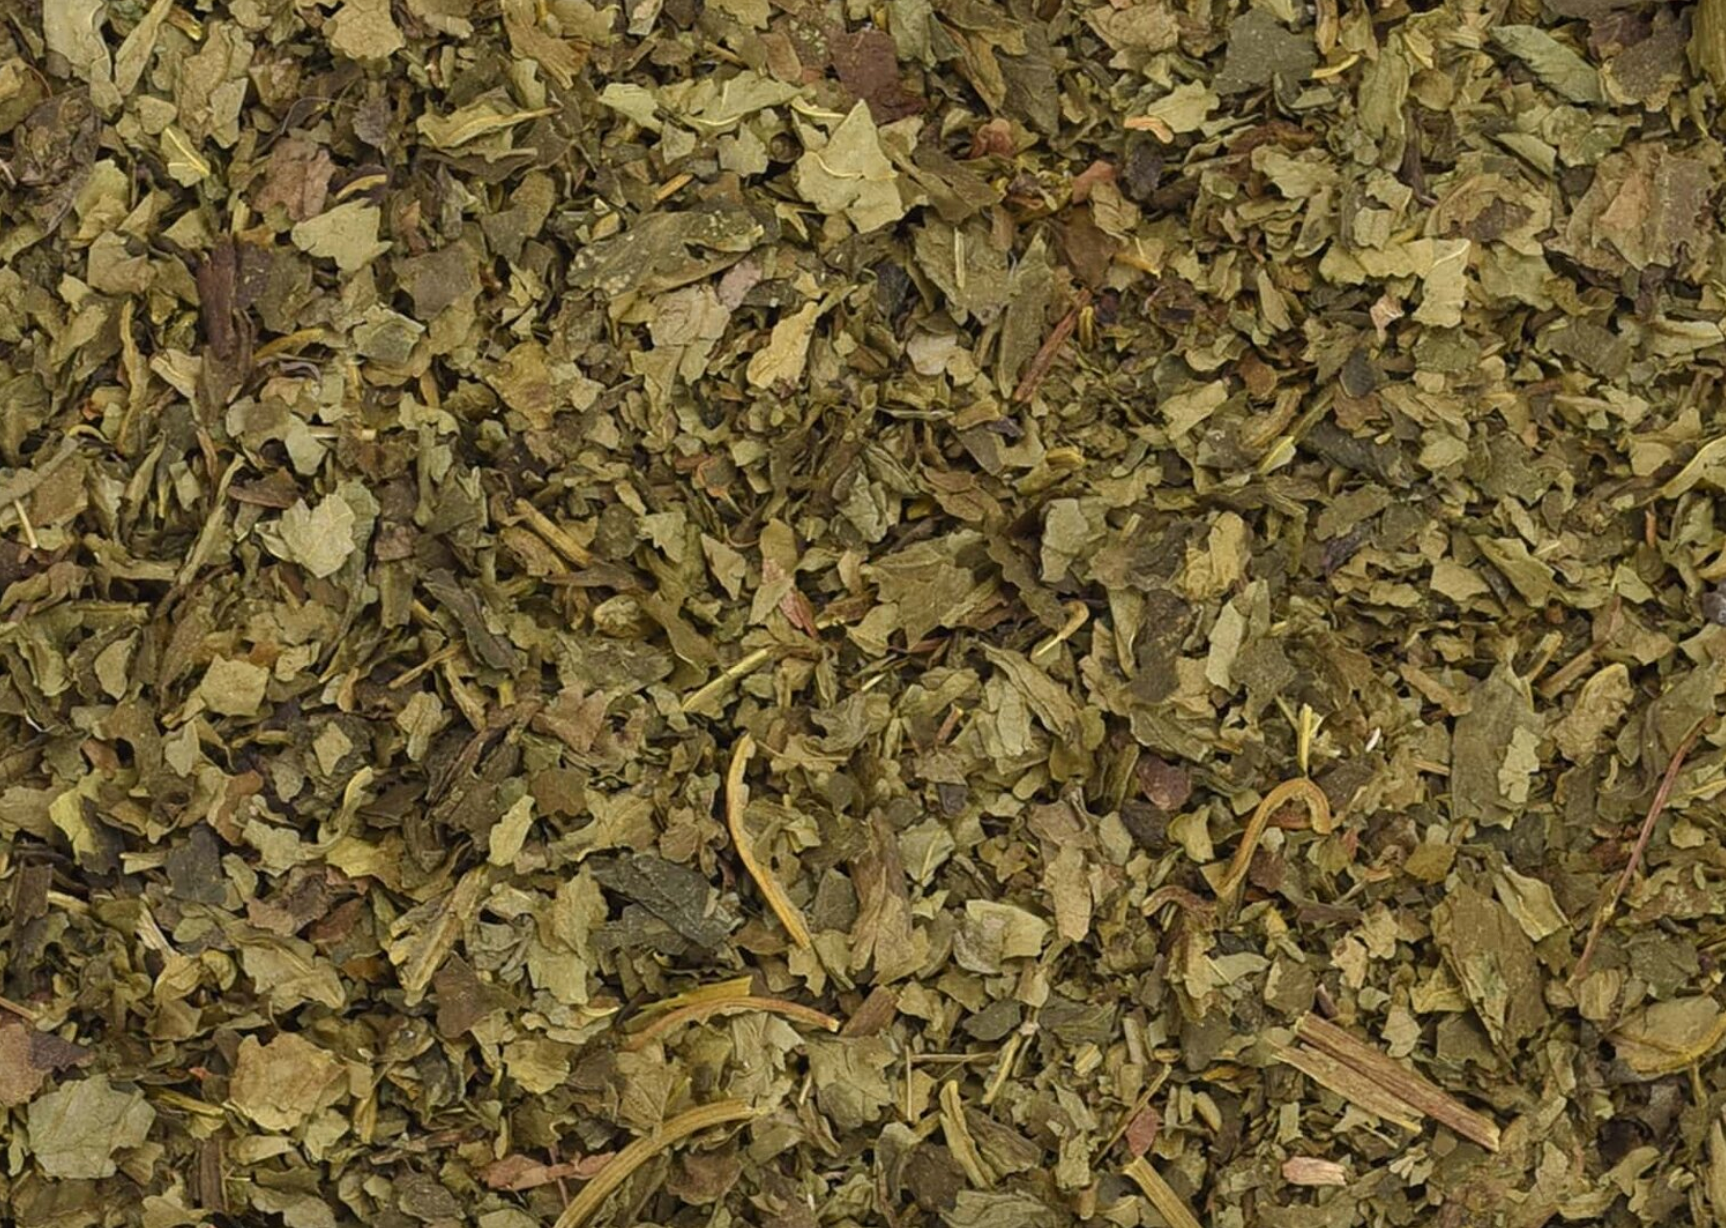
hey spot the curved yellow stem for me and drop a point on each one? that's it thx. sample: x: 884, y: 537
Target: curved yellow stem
x: 736, y: 795
x: 1318, y: 806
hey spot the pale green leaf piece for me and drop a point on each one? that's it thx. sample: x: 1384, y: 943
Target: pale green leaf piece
x: 73, y: 29
x: 851, y: 175
x: 281, y: 1084
x: 784, y: 356
x: 347, y: 234
x: 635, y: 101
x: 1185, y: 108
x: 320, y: 539
x: 365, y: 30
x: 511, y: 832
x: 233, y: 687
x: 75, y: 1130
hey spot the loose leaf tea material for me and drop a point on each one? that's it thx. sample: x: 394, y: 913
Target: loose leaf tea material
x: 280, y: 1084
x: 76, y: 1129
x: 821, y: 615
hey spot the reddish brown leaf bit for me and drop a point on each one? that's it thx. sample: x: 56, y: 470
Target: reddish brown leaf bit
x: 868, y: 65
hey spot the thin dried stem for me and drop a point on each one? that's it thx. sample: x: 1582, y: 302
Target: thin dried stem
x: 1318, y: 806
x: 714, y: 991
x: 554, y: 534
x: 1045, y: 357
x: 593, y: 1195
x: 1161, y: 1194
x: 1311, y: 1170
x: 19, y: 1009
x: 1354, y: 1085
x: 728, y: 1006
x: 1609, y: 905
x: 736, y: 797
x: 1419, y: 1093
x: 747, y: 663
x: 1078, y: 613
x: 959, y: 1140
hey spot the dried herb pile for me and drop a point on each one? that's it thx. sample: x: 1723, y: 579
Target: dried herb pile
x: 942, y: 612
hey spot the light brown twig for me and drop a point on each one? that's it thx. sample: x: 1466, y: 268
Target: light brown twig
x: 19, y: 1009
x: 1412, y: 1089
x: 1609, y: 905
x: 1162, y: 1196
x: 1318, y: 806
x: 1045, y: 357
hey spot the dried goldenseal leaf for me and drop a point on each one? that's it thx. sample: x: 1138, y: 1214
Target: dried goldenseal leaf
x: 443, y: 442
x: 76, y: 1129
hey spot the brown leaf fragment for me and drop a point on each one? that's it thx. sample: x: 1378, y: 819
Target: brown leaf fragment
x: 1141, y: 1130
x: 517, y: 1173
x: 868, y: 65
x: 229, y: 332
x: 462, y: 998
x: 574, y: 718
x: 1649, y: 71
x: 1165, y: 785
x: 28, y: 1057
x: 440, y: 279
x: 876, y: 1013
x: 298, y: 179
x: 1645, y: 207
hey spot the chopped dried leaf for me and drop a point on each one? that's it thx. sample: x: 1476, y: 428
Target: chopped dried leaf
x: 75, y: 1130
x: 934, y: 612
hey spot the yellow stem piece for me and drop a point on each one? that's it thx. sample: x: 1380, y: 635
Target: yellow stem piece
x: 736, y: 796
x: 1318, y: 805
x: 727, y: 1006
x: 592, y: 1197
x: 1162, y: 1196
